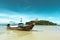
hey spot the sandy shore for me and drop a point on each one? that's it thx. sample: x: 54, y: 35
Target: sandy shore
x: 23, y: 35
x: 30, y: 35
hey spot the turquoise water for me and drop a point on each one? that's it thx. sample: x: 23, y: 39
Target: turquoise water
x: 36, y: 28
x: 39, y: 32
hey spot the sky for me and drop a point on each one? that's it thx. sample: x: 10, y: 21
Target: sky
x: 13, y: 10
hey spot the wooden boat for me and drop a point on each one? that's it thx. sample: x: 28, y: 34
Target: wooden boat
x: 21, y: 26
x: 24, y: 28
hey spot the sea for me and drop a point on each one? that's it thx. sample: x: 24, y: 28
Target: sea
x: 39, y: 32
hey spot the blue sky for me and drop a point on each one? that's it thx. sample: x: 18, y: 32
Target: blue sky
x: 12, y: 10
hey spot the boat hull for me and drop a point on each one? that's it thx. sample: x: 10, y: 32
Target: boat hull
x: 26, y: 28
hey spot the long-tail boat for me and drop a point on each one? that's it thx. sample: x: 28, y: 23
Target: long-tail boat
x: 21, y: 26
x: 24, y: 28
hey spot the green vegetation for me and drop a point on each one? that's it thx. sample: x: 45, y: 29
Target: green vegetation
x: 41, y: 22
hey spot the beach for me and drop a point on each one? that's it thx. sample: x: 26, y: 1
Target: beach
x: 37, y: 33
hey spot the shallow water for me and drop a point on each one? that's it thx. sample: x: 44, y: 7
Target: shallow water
x: 38, y: 33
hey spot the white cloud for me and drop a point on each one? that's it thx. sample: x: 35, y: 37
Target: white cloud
x: 3, y: 20
x: 6, y: 18
x: 3, y: 14
x: 50, y: 17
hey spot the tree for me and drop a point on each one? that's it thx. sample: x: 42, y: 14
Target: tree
x: 41, y: 22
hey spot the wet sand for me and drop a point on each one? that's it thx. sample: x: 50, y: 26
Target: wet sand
x: 46, y: 34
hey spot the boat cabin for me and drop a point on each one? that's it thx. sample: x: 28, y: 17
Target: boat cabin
x: 20, y: 25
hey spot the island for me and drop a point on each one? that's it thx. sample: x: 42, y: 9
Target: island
x: 41, y: 22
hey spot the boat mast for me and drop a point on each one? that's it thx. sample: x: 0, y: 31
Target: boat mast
x: 21, y: 20
x: 36, y: 20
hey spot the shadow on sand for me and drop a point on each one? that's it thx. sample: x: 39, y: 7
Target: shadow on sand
x: 37, y: 30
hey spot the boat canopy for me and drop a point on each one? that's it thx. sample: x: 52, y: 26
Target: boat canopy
x: 21, y: 24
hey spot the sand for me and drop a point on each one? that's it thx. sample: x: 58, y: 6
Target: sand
x: 47, y: 34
